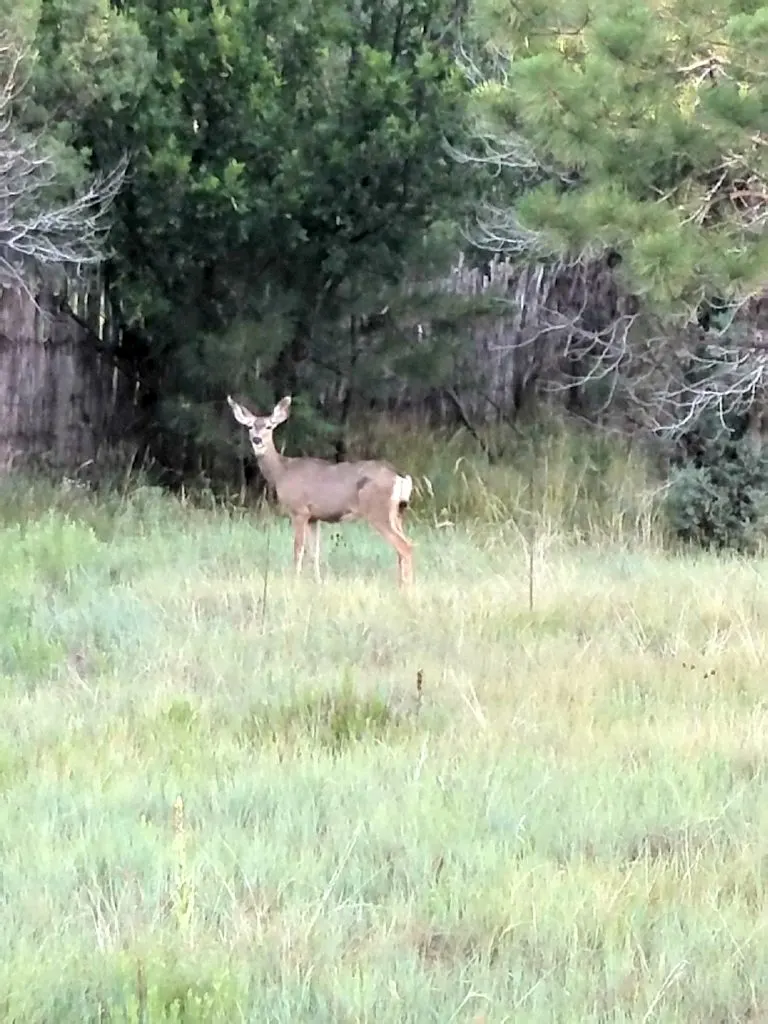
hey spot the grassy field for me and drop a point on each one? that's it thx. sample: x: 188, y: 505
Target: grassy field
x: 225, y: 797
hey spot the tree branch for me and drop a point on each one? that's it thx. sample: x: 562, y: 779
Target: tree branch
x: 37, y: 228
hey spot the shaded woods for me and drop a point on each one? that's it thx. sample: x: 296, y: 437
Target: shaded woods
x: 498, y: 343
x: 66, y: 388
x: 379, y: 214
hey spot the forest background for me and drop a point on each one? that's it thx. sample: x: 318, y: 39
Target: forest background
x: 511, y: 221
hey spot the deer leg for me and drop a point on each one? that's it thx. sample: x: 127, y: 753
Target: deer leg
x: 406, y: 565
x: 405, y: 561
x: 402, y: 546
x: 300, y: 524
x: 397, y: 525
x: 316, y: 548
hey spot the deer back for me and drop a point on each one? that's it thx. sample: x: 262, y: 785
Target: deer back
x: 334, y: 491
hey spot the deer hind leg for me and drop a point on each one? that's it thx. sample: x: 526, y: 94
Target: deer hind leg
x: 300, y: 525
x: 402, y: 546
x: 315, y: 529
x: 406, y: 556
x: 405, y: 560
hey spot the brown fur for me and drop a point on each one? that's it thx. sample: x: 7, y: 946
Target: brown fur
x: 314, y: 491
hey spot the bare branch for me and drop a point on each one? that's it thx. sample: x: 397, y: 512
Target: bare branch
x: 666, y: 369
x: 500, y: 232
x: 37, y: 229
x: 568, y: 325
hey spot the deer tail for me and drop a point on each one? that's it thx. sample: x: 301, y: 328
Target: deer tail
x: 401, y: 491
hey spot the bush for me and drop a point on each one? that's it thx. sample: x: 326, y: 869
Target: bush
x: 718, y: 495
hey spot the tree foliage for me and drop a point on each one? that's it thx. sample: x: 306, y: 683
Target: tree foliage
x: 646, y: 124
x: 52, y: 215
x: 299, y: 170
x: 287, y: 162
x: 633, y: 138
x: 717, y: 496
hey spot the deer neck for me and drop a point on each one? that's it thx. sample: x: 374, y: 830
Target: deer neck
x: 271, y: 463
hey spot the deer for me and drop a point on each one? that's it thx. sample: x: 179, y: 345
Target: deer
x: 314, y: 491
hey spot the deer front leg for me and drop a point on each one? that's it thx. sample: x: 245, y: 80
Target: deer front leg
x: 300, y: 524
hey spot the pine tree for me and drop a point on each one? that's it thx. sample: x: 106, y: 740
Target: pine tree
x: 287, y: 160
x: 647, y: 125
x: 635, y: 138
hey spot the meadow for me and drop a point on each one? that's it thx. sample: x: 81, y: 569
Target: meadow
x: 530, y: 789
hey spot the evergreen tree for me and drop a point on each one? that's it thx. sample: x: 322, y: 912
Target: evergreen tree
x: 288, y: 159
x: 53, y: 206
x: 645, y: 128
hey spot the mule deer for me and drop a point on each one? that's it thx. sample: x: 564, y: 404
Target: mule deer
x: 315, y: 491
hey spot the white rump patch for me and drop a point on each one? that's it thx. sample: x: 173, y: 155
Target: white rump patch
x: 401, y: 491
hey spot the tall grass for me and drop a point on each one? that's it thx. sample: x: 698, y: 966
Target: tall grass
x: 577, y: 485
x: 226, y: 794
x: 586, y: 487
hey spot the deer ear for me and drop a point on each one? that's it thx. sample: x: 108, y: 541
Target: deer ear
x: 240, y: 413
x: 281, y: 411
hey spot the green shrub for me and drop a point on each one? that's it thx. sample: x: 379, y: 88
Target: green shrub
x: 718, y: 495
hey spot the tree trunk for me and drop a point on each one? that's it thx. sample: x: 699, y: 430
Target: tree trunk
x: 349, y: 388
x: 57, y: 390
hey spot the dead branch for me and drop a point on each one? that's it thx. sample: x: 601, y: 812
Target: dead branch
x: 466, y: 422
x: 37, y: 228
x: 666, y: 377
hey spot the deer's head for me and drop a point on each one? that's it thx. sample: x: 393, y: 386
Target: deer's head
x: 260, y: 427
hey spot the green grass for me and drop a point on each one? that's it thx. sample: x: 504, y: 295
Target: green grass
x: 224, y: 800
x: 590, y: 486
